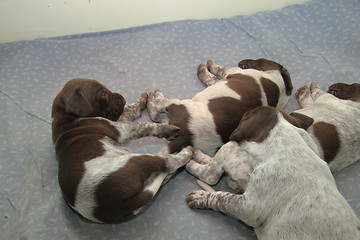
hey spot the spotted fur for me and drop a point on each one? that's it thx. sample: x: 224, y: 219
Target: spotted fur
x: 287, y: 190
x: 336, y: 128
x: 207, y: 120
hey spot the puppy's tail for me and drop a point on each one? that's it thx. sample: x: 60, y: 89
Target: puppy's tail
x: 205, y: 186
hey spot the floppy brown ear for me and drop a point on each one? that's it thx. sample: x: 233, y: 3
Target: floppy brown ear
x: 237, y: 135
x: 78, y: 104
x: 255, y: 125
x: 299, y: 120
x: 287, y: 80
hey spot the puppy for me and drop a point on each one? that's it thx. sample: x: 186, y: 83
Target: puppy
x: 207, y: 120
x: 99, y: 176
x: 336, y: 127
x: 289, y: 191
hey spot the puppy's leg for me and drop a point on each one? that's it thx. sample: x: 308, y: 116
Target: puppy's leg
x: 209, y: 173
x: 153, y: 113
x: 200, y: 157
x: 175, y: 161
x: 205, y: 76
x: 153, y: 187
x: 133, y: 110
x: 316, y: 92
x: 303, y: 95
x: 157, y: 103
x: 134, y: 130
x: 238, y: 206
x: 220, y: 71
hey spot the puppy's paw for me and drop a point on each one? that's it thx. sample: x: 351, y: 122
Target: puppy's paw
x: 205, y: 76
x: 315, y: 91
x: 303, y: 95
x: 197, y: 199
x: 186, y: 155
x: 188, y: 151
x: 158, y: 94
x: 212, y: 66
x: 168, y: 131
x: 201, y: 70
x: 314, y: 87
x: 142, y: 100
x: 153, y: 113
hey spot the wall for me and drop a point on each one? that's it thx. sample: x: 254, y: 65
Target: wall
x: 26, y: 19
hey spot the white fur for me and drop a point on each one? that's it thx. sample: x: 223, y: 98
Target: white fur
x: 96, y: 170
x: 290, y: 194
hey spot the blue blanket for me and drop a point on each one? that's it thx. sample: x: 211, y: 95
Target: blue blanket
x: 317, y: 41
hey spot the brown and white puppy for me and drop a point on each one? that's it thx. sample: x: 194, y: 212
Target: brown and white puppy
x: 99, y: 176
x: 207, y: 120
x: 288, y: 191
x: 336, y: 127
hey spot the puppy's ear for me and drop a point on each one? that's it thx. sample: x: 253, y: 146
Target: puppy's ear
x: 237, y: 135
x: 299, y: 120
x: 255, y: 125
x: 77, y: 103
x: 287, y: 80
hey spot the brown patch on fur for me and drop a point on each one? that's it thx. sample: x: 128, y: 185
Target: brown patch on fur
x: 271, y: 91
x: 228, y: 111
x: 266, y: 65
x: 76, y: 146
x: 119, y: 194
x: 255, y: 125
x: 329, y: 140
x: 345, y: 91
x: 179, y: 116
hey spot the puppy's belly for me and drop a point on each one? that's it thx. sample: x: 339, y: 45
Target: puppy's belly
x: 96, y: 170
x: 202, y: 126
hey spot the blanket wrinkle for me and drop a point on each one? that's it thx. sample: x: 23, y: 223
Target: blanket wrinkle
x: 12, y: 204
x: 25, y: 111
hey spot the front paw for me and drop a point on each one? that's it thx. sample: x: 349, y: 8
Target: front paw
x: 197, y: 199
x: 142, y: 100
x: 168, y: 131
x: 303, y: 96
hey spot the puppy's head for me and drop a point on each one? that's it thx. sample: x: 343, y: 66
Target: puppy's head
x: 256, y: 124
x: 267, y: 65
x: 345, y: 91
x: 88, y: 98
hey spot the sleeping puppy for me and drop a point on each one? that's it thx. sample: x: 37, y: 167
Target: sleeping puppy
x: 207, y: 120
x: 99, y: 176
x: 336, y: 127
x: 288, y: 190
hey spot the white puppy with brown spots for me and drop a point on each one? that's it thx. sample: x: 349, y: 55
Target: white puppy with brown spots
x: 207, y: 120
x: 288, y: 190
x: 336, y: 127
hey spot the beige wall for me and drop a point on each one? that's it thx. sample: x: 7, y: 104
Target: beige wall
x: 30, y: 19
